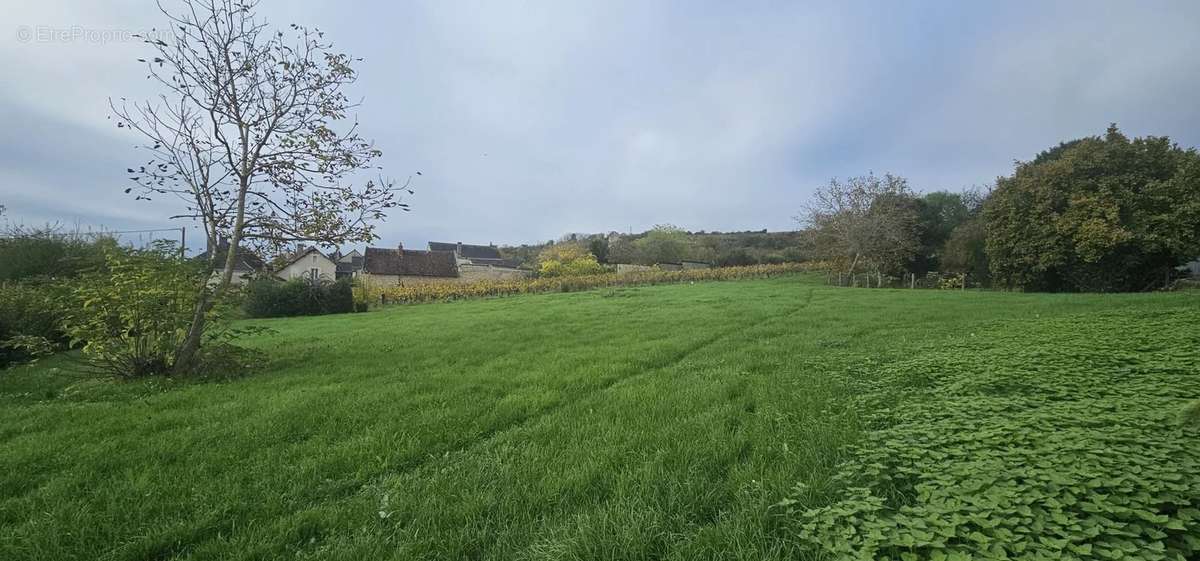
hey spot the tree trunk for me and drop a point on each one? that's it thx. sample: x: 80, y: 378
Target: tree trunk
x: 850, y: 272
x: 185, y: 355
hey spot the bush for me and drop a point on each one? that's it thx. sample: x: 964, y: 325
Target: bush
x: 131, y: 316
x: 736, y: 258
x: 33, y: 253
x: 30, y: 321
x: 267, y: 298
x: 567, y: 260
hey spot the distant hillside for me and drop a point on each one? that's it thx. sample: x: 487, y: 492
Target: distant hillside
x: 668, y: 244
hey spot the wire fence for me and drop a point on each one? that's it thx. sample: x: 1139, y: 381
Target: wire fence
x: 931, y: 280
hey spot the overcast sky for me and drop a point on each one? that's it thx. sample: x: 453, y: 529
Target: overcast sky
x: 532, y: 119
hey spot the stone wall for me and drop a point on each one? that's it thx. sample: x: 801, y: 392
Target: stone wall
x: 468, y: 273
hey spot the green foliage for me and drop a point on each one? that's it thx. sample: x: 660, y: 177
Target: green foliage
x: 1096, y: 214
x: 31, y: 316
x: 939, y: 215
x: 45, y: 252
x: 663, y: 244
x: 266, y: 298
x: 598, y: 245
x: 1190, y: 413
x: 736, y: 258
x: 567, y: 260
x: 965, y: 251
x: 1047, y: 439
x: 648, y: 422
x: 131, y: 316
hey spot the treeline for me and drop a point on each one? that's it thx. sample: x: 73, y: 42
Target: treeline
x: 666, y: 243
x: 1097, y: 214
x: 1103, y: 214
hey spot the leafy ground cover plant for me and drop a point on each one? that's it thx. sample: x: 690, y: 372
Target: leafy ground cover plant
x: 1047, y: 439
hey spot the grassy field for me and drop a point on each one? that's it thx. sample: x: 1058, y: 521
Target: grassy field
x: 648, y: 423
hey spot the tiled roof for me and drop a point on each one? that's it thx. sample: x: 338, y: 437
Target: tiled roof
x: 468, y: 251
x: 409, y: 262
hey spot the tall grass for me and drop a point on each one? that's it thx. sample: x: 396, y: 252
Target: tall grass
x: 657, y: 422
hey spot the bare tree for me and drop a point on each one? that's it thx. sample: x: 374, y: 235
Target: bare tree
x: 868, y: 220
x: 247, y: 135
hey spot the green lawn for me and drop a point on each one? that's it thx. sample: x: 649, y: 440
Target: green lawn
x: 645, y: 423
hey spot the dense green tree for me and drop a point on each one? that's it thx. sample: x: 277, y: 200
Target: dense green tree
x: 664, y: 244
x: 598, y: 245
x: 938, y: 214
x: 1096, y: 214
x: 623, y: 250
x: 965, y: 251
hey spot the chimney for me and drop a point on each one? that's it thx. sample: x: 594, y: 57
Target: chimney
x: 459, y: 250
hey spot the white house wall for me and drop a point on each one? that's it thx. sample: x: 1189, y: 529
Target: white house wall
x: 302, y: 269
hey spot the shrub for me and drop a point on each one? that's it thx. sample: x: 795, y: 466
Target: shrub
x: 131, y: 316
x: 44, y: 252
x: 736, y: 258
x: 298, y: 297
x: 30, y: 320
x: 567, y: 260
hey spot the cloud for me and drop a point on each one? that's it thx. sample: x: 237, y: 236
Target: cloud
x: 531, y: 120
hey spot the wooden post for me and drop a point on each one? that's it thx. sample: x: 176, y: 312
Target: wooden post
x: 964, y: 282
x: 912, y: 281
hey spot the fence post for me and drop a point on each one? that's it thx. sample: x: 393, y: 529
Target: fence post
x: 964, y: 282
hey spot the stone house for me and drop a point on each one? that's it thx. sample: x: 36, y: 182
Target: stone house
x: 388, y: 266
x: 478, y: 262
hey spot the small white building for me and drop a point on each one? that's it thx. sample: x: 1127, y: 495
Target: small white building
x: 309, y: 264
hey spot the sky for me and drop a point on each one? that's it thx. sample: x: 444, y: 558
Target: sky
x: 529, y: 120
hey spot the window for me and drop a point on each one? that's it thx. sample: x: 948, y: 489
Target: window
x: 315, y: 273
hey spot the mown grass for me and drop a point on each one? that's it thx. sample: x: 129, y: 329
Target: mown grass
x: 641, y: 423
